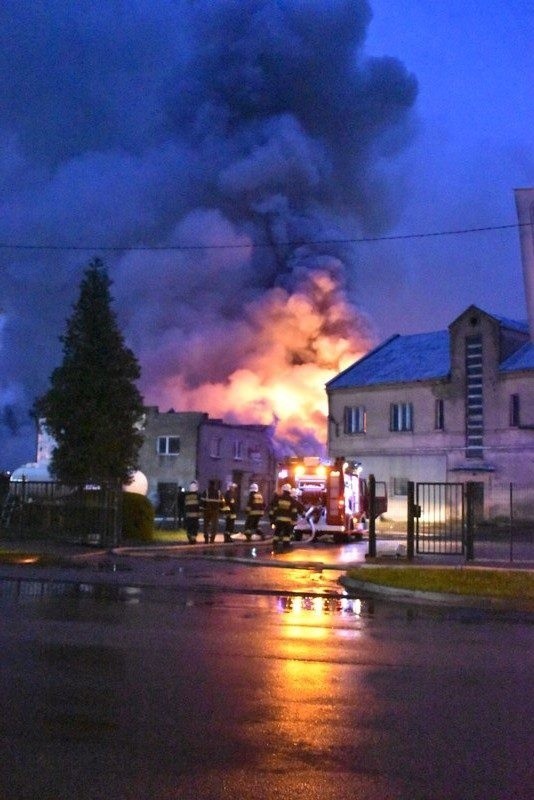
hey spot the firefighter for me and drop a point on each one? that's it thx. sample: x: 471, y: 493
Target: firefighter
x: 254, y: 510
x: 211, y: 501
x: 192, y: 512
x: 298, y: 511
x: 180, y: 509
x: 229, y: 509
x: 283, y: 513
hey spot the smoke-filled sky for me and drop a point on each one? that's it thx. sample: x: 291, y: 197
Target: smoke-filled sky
x: 243, y: 146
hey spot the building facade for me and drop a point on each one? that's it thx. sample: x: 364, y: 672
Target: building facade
x: 448, y: 406
x: 181, y: 446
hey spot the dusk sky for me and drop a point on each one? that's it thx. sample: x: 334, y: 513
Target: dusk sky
x: 254, y: 142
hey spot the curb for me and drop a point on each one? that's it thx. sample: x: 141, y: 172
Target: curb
x: 436, y: 598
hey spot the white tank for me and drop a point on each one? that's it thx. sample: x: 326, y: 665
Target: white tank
x: 31, y: 472
x: 138, y: 485
x: 38, y: 471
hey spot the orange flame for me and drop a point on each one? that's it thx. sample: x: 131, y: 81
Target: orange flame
x: 299, y: 341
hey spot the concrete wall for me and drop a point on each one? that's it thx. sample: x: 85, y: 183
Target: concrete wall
x: 181, y: 468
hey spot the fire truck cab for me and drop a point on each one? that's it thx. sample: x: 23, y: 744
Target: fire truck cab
x: 333, y: 495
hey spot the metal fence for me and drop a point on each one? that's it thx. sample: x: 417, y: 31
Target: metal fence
x: 52, y: 511
x: 462, y: 519
x: 504, y: 527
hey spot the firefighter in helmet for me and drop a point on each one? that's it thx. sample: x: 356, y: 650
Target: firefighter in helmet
x: 298, y: 511
x: 283, y: 513
x: 211, y: 502
x: 254, y: 511
x: 192, y: 511
x: 229, y: 510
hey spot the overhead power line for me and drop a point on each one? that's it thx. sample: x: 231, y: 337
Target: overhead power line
x: 267, y: 245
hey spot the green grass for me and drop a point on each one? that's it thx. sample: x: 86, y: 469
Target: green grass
x: 505, y: 584
x: 169, y: 537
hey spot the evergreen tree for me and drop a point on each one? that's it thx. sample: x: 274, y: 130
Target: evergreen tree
x: 93, y: 406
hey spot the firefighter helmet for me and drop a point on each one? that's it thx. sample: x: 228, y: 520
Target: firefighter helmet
x: 193, y: 486
x: 286, y: 487
x: 253, y: 487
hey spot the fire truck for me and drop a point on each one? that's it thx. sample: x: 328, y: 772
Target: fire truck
x: 333, y: 495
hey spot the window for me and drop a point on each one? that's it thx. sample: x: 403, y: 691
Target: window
x: 400, y: 487
x: 168, y: 445
x: 167, y: 497
x: 439, y: 415
x: 355, y: 419
x: 238, y: 450
x: 255, y: 455
x: 215, y: 447
x: 514, y: 410
x: 401, y: 417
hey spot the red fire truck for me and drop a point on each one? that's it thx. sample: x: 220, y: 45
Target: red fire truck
x: 334, y: 496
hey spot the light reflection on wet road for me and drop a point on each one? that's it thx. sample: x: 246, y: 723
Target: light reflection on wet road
x: 280, y: 688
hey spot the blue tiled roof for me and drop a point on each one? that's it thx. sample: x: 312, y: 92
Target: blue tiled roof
x: 420, y: 357
x: 511, y: 324
x: 521, y: 359
x: 400, y: 359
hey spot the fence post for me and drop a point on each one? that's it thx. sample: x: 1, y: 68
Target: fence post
x: 22, y: 507
x: 372, y: 517
x: 511, y: 521
x: 115, y: 489
x: 470, y: 521
x: 410, y: 522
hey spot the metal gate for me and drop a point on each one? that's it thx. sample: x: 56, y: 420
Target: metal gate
x: 440, y: 518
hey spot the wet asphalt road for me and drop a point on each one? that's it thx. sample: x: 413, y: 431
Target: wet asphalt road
x: 253, y: 682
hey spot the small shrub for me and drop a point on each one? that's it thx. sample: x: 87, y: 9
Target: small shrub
x: 137, y: 517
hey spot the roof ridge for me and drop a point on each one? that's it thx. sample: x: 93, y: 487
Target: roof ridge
x: 364, y: 357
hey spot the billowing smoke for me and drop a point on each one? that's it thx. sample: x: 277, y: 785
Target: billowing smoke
x: 246, y: 139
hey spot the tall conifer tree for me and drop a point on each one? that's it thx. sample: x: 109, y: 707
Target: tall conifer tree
x: 93, y: 406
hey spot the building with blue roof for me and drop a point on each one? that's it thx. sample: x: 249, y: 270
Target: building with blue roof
x: 454, y: 405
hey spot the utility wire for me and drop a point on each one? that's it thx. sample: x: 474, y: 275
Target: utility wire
x: 269, y: 245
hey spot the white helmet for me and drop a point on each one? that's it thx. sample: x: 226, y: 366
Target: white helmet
x: 286, y: 487
x: 193, y: 486
x: 254, y: 487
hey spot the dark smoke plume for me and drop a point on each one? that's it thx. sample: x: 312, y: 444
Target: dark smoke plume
x: 255, y: 123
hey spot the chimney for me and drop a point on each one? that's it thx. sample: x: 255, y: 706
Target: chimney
x: 524, y: 203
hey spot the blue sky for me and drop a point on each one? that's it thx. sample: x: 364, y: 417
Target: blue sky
x: 288, y: 124
x: 474, y: 63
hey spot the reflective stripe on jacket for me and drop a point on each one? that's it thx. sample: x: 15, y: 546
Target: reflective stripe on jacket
x: 192, y: 505
x: 283, y: 509
x: 229, y: 505
x: 255, y: 503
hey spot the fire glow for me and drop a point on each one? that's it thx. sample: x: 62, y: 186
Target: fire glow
x: 301, y: 340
